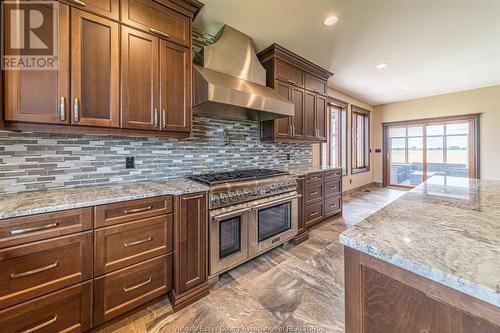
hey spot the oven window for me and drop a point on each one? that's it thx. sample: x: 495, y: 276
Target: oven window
x: 274, y: 220
x: 229, y: 236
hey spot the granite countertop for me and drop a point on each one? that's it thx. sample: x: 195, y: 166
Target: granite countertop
x: 28, y: 203
x: 305, y: 170
x: 446, y: 230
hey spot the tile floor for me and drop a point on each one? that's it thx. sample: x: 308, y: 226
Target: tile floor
x: 289, y: 289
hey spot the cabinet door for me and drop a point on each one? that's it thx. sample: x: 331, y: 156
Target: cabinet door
x: 94, y: 70
x: 40, y: 96
x: 298, y: 121
x: 282, y: 126
x: 310, y: 113
x: 139, y: 80
x: 106, y: 8
x: 321, y: 117
x: 175, y: 87
x: 153, y: 17
x: 192, y: 242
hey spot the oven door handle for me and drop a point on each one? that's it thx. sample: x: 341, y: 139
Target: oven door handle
x: 267, y: 204
x: 229, y: 214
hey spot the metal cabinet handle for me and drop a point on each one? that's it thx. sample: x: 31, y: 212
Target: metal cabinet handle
x: 137, y: 210
x: 40, y: 326
x: 193, y: 197
x: 292, y: 82
x: 142, y: 284
x: 163, y: 118
x: 33, y: 229
x: 315, y: 177
x: 155, y: 116
x: 76, y: 110
x: 312, y: 214
x: 159, y: 32
x: 138, y: 242
x: 334, y: 205
x: 266, y: 204
x: 34, y: 271
x: 314, y: 193
x: 62, y: 109
x: 78, y: 2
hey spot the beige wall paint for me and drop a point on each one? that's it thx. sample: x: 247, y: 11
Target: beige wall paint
x: 485, y: 101
x: 358, y: 179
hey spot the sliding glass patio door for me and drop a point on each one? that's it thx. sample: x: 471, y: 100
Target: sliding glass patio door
x: 419, y: 151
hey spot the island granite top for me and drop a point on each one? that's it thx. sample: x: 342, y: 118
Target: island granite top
x: 37, y: 202
x: 447, y: 230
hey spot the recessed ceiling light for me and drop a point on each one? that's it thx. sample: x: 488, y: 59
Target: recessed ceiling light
x: 382, y: 65
x: 406, y: 87
x: 330, y: 20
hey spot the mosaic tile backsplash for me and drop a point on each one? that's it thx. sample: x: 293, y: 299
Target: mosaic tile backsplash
x: 40, y: 161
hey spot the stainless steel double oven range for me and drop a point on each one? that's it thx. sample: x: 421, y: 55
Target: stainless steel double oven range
x: 250, y: 212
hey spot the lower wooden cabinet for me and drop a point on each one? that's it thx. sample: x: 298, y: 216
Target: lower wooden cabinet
x: 67, y: 310
x: 35, y: 269
x: 123, y: 290
x: 191, y: 257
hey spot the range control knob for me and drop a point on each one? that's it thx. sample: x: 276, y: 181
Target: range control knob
x: 215, y: 199
x: 240, y: 195
x: 247, y: 193
x: 224, y: 198
x: 232, y: 196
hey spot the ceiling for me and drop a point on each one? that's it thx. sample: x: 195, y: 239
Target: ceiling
x: 431, y: 46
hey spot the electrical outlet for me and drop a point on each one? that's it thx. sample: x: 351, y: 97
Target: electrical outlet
x: 129, y: 162
x: 288, y: 157
x: 350, y: 181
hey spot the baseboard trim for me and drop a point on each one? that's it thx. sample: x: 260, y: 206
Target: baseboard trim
x: 362, y: 188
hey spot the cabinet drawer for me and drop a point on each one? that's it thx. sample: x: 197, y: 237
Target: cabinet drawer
x: 333, y: 205
x: 125, y: 244
x: 289, y: 73
x: 332, y: 188
x: 314, y: 176
x: 314, y: 191
x: 32, y: 270
x: 331, y: 175
x: 125, y: 289
x: 107, y: 8
x: 132, y: 210
x: 315, y: 84
x: 314, y: 212
x: 67, y: 310
x: 157, y: 19
x: 21, y: 230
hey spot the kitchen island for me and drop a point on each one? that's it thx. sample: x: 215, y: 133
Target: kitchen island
x: 428, y: 262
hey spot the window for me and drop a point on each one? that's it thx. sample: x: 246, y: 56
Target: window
x: 334, y: 153
x: 360, y: 159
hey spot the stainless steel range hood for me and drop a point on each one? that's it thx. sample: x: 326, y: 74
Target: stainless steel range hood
x: 232, y: 82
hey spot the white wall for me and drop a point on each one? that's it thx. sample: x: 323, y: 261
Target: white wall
x: 485, y: 101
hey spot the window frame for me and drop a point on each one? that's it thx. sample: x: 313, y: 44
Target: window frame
x: 326, y: 148
x: 355, y: 112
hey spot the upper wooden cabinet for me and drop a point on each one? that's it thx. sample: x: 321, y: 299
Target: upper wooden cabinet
x: 152, y: 17
x: 307, y: 84
x: 106, y: 8
x: 94, y: 70
x: 40, y: 96
x: 127, y: 74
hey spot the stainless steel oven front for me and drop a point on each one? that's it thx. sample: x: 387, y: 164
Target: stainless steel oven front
x: 241, y: 232
x: 272, y: 222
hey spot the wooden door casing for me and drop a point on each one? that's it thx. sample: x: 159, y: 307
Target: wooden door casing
x: 41, y: 96
x: 94, y: 70
x: 175, y: 87
x: 139, y: 67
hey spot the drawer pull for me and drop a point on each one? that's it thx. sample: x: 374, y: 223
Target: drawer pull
x: 33, y: 229
x: 292, y: 82
x: 142, y: 284
x: 78, y: 2
x: 34, y: 271
x: 159, y: 32
x: 138, y: 242
x: 137, y: 210
x: 314, y: 193
x: 315, y: 177
x: 313, y: 214
x: 199, y: 196
x: 40, y: 326
x: 333, y: 188
x: 333, y: 206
